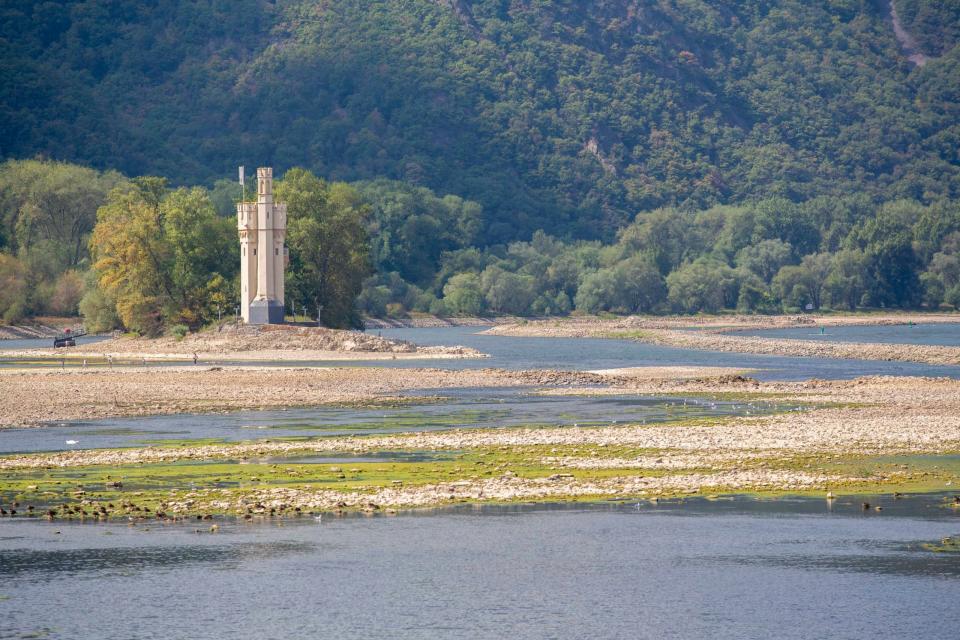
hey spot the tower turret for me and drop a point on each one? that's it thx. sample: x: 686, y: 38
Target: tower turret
x: 262, y: 226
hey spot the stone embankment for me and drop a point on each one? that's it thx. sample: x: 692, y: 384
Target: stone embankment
x: 28, y: 331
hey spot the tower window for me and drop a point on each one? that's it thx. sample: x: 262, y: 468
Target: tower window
x: 276, y: 252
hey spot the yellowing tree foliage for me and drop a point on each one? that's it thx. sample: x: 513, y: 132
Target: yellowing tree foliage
x: 164, y: 257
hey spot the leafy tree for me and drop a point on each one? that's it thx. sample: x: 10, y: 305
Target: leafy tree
x: 410, y: 227
x: 805, y: 283
x: 935, y: 24
x: 848, y: 281
x: 162, y: 256
x: 507, y: 292
x: 893, y: 265
x: 631, y: 286
x: 99, y: 311
x: 754, y: 295
x: 327, y: 237
x: 765, y: 258
x: 463, y: 295
x: 49, y: 209
x: 703, y: 285
x: 13, y: 289
x: 67, y: 292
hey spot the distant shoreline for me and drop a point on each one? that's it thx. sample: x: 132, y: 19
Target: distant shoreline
x: 731, y: 321
x: 713, y: 333
x: 47, y: 328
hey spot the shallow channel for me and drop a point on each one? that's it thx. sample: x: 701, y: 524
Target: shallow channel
x: 460, y: 409
x: 945, y: 335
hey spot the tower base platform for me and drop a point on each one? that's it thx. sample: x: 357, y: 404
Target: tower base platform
x: 266, y: 311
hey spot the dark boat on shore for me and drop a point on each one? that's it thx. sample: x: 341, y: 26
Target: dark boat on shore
x: 68, y: 338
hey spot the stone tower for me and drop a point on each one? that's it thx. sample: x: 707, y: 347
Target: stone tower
x: 263, y: 256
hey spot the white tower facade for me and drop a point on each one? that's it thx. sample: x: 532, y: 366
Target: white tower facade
x: 263, y: 257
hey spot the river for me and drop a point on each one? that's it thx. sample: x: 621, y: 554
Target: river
x: 727, y: 569
x: 945, y: 335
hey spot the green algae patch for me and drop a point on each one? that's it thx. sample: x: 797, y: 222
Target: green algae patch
x: 188, y: 486
x: 639, y: 335
x: 946, y: 545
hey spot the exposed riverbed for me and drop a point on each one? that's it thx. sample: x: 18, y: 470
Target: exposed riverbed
x: 275, y: 501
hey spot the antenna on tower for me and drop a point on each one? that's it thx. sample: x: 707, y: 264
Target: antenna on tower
x: 243, y: 192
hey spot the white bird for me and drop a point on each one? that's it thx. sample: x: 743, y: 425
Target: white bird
x: 71, y: 442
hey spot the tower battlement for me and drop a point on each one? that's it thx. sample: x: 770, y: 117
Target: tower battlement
x: 262, y: 228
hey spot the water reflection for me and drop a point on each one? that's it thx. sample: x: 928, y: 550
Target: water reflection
x: 913, y: 563
x: 43, y: 564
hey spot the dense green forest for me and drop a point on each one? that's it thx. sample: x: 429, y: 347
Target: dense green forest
x: 142, y: 255
x: 504, y: 156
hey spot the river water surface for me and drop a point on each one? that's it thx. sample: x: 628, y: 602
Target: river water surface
x: 597, y: 353
x: 946, y: 334
x: 725, y: 569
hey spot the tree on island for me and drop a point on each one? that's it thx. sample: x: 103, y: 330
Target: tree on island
x: 163, y: 257
x: 329, y: 247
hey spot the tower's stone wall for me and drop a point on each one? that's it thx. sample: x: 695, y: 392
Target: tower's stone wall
x: 262, y: 227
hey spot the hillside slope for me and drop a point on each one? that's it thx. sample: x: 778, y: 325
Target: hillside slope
x: 562, y: 115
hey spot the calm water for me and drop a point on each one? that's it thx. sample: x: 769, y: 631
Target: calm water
x: 42, y: 343
x: 742, y: 569
x: 464, y: 409
x: 947, y: 334
x: 589, y: 354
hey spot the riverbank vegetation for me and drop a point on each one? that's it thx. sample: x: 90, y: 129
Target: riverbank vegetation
x: 139, y: 254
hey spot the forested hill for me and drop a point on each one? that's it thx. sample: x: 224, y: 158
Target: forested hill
x: 564, y: 115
